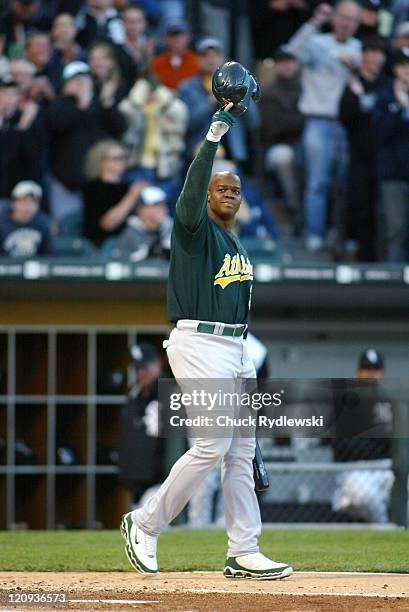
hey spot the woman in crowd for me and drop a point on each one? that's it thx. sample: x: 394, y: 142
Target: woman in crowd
x: 108, y: 200
x: 65, y: 47
x: 106, y: 72
x: 157, y: 124
x: 136, y: 52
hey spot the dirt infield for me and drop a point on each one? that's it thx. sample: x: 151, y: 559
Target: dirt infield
x: 207, y: 591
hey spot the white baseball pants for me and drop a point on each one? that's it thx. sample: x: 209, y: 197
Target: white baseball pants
x: 195, y: 355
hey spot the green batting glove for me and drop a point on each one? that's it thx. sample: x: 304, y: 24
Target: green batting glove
x: 222, y: 120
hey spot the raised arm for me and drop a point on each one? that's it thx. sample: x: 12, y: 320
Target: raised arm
x: 300, y: 43
x: 191, y: 206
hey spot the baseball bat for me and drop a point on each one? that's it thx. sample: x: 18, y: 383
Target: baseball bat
x: 259, y: 469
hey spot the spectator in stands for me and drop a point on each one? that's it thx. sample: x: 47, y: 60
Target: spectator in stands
x: 327, y: 61
x: 282, y: 128
x: 218, y: 19
x: 155, y: 11
x: 4, y: 61
x: 108, y: 82
x: 138, y: 47
x: 398, y: 41
x: 76, y: 8
x: 177, y: 61
x: 148, y: 230
x: 170, y: 10
x: 30, y: 86
x: 33, y: 94
x: 65, y: 47
x: 274, y: 22
x: 369, y: 20
x: 21, y: 138
x: 108, y: 200
x: 196, y: 93
x: 401, y: 37
x: 356, y: 109
x: 23, y: 73
x: 101, y: 21
x: 157, y: 123
x: 21, y: 18
x: 121, y: 5
x: 38, y: 52
x: 77, y: 120
x: 24, y: 229
x: 400, y: 11
x: 363, y: 433
x: 391, y: 121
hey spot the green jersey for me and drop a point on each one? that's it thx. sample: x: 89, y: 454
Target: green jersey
x: 210, y: 275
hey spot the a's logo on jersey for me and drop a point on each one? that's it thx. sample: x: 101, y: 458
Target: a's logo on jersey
x: 236, y: 268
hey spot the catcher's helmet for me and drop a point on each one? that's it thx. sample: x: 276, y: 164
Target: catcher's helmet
x: 232, y: 82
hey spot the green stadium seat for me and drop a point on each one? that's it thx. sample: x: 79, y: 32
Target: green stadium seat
x: 72, y: 225
x: 74, y: 247
x: 108, y: 247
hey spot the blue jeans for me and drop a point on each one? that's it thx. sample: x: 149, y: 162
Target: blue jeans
x: 326, y: 158
x: 395, y: 209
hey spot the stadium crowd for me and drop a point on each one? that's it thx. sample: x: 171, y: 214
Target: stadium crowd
x: 104, y: 102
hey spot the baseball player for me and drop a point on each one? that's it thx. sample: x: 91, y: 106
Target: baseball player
x: 209, y: 293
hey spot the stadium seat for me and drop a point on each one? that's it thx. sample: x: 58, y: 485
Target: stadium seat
x: 108, y: 247
x: 72, y: 225
x: 69, y: 246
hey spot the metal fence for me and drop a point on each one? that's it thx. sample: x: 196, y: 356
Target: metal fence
x: 308, y: 485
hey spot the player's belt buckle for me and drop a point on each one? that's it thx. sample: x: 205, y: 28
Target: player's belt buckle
x: 219, y: 329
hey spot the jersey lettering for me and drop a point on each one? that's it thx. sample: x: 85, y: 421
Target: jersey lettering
x: 236, y: 268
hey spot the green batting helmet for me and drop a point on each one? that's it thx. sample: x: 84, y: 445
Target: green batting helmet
x: 232, y: 82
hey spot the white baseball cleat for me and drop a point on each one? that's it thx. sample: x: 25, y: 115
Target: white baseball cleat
x: 140, y: 547
x: 256, y: 566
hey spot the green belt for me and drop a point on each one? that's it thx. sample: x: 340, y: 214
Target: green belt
x: 208, y: 328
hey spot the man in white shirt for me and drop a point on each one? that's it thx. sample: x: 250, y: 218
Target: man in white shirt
x: 327, y: 60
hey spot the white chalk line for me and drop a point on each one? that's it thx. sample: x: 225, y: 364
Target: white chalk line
x: 355, y: 573
x: 113, y: 601
x: 306, y: 573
